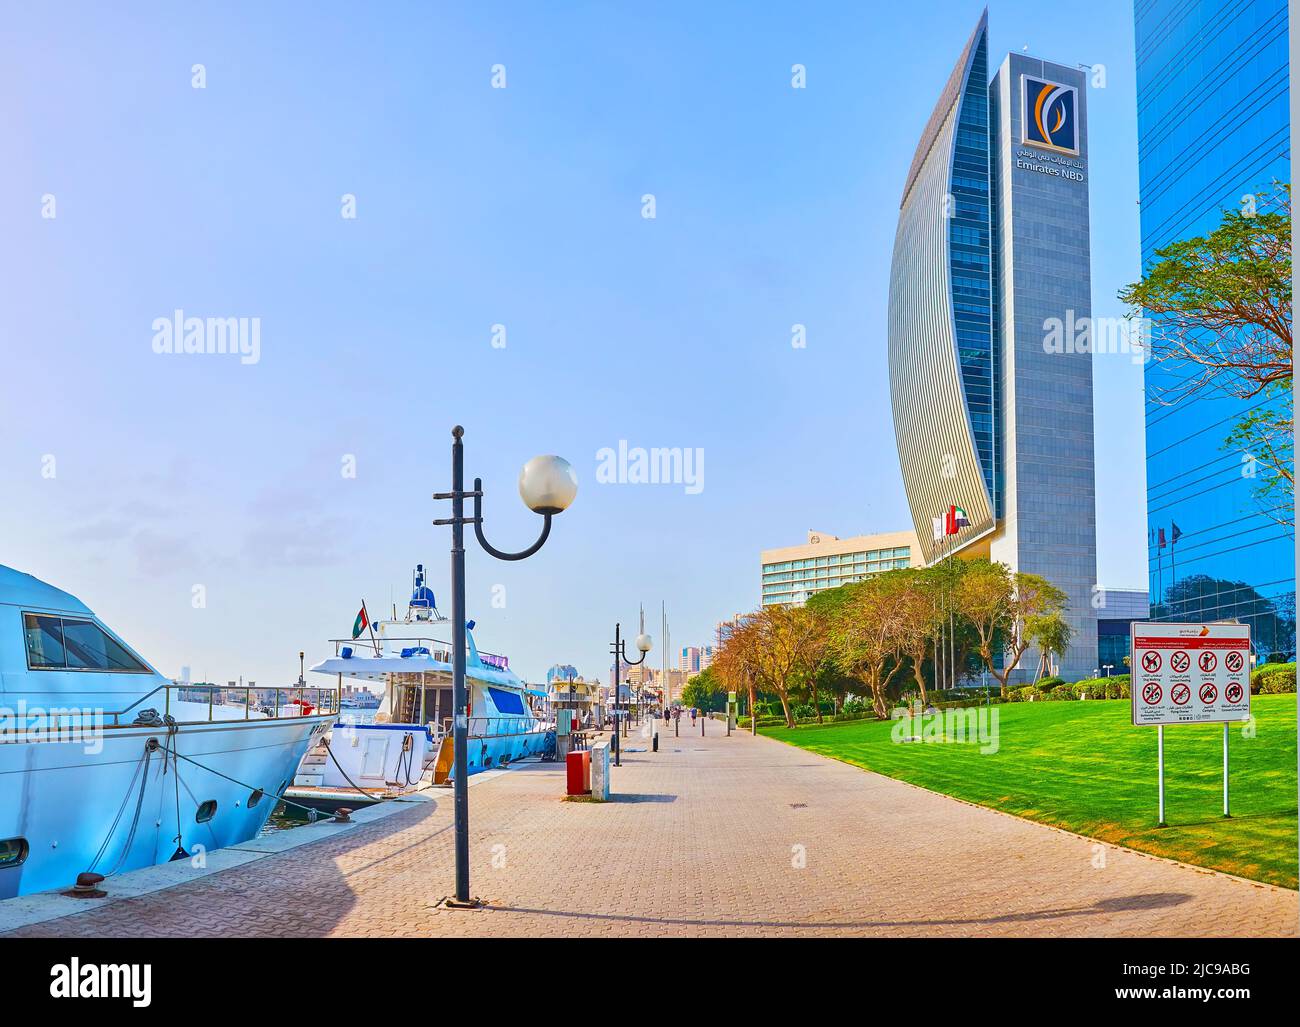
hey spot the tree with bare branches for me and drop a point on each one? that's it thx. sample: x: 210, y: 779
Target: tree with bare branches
x: 866, y: 636
x: 790, y: 641
x: 1220, y: 309
x: 998, y: 604
x: 737, y: 663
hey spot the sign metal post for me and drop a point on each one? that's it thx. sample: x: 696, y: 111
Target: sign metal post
x: 1160, y: 760
x: 1225, y: 770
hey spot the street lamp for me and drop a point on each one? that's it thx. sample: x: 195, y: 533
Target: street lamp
x: 547, y: 486
x: 643, y: 643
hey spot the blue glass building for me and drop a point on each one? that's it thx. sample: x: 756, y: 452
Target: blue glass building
x: 1213, y: 127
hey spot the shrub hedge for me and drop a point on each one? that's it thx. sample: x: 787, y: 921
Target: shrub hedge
x: 1273, y: 679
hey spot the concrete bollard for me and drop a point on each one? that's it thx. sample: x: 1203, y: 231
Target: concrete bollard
x: 600, y: 771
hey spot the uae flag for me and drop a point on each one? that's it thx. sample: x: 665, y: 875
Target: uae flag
x: 956, y: 520
x: 361, y: 623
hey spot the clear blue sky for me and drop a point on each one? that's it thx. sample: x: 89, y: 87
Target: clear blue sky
x: 479, y: 206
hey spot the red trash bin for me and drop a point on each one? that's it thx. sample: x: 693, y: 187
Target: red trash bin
x: 578, y: 772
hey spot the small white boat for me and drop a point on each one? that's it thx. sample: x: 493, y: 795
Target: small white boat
x: 409, y: 745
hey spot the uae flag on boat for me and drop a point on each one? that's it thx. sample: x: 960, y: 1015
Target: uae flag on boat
x: 361, y: 623
x: 956, y: 520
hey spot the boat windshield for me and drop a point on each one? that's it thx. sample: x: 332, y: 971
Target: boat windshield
x: 66, y: 643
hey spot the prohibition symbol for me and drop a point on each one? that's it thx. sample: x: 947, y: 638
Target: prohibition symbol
x: 1209, y: 693
x: 1233, y: 693
x: 1150, y: 662
x: 1180, y: 661
x: 1207, y: 661
x: 1233, y: 661
x: 1180, y: 694
x: 1151, y: 693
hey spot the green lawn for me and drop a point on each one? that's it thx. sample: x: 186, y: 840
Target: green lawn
x: 1084, y: 767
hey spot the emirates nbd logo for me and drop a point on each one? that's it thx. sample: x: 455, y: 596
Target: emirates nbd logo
x: 1050, y: 118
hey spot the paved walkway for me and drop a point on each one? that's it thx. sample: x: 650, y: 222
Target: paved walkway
x: 710, y: 836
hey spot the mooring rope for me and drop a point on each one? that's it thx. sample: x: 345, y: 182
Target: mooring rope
x: 143, y: 762
x: 313, y: 813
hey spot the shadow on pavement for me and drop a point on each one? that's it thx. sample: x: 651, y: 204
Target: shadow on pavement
x: 1103, y: 907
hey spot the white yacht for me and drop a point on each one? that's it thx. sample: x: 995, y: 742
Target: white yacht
x: 105, y: 768
x: 409, y: 745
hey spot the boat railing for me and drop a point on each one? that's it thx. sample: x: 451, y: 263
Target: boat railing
x: 438, y: 648
x: 496, y: 727
x: 324, y: 703
x: 443, y: 650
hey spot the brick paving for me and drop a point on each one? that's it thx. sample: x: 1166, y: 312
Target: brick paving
x: 709, y: 836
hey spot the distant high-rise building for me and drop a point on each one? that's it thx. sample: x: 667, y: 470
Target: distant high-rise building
x: 692, y: 659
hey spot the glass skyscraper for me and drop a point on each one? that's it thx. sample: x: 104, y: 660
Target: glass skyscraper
x: 1213, y: 130
x: 992, y: 250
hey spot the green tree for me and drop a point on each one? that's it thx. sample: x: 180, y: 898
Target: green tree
x: 1222, y: 326
x: 706, y: 691
x: 1051, y: 633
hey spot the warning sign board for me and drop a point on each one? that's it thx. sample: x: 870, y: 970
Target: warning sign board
x: 1190, y: 673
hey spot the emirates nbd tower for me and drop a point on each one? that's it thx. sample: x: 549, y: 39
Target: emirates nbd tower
x: 991, y: 387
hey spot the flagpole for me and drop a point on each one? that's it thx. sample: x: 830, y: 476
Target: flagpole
x: 1160, y: 570
x: 370, y: 624
x: 1173, y: 566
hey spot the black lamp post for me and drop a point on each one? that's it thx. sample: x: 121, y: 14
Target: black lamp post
x: 547, y: 486
x: 643, y: 643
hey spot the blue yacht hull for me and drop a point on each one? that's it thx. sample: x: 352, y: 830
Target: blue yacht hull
x: 76, y: 809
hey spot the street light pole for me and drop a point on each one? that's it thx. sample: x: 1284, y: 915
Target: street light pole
x: 547, y: 486
x: 620, y: 657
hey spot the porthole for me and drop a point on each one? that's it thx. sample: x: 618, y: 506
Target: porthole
x: 13, y: 852
x: 255, y: 798
x: 206, y: 811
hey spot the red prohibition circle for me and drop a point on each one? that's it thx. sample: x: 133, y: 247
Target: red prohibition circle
x: 1180, y: 691
x: 1180, y: 661
x: 1207, y: 661
x: 1233, y: 692
x: 1209, y: 693
x: 1151, y: 693
x: 1233, y: 661
x: 1150, y: 662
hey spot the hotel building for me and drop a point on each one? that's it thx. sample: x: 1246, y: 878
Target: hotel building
x: 790, y: 575
x: 991, y: 388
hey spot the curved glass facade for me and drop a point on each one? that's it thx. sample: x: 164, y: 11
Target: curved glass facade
x: 991, y: 262
x: 1213, y: 126
x: 941, y: 345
